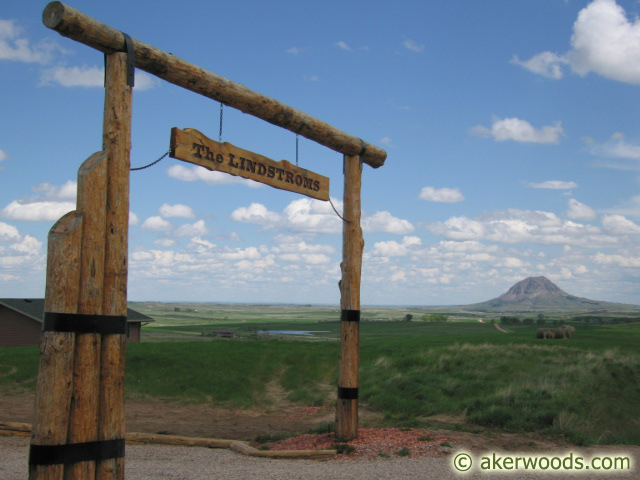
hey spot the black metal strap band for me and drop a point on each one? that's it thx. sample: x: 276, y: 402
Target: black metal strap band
x: 350, y: 316
x: 347, y: 393
x: 364, y: 148
x: 131, y: 59
x: 76, y: 452
x: 83, y: 323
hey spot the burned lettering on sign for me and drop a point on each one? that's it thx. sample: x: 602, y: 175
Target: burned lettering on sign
x: 192, y: 146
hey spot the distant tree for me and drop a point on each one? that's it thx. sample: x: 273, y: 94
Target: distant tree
x: 407, y: 318
x: 527, y: 321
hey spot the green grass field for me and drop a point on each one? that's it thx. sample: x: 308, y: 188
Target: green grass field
x: 585, y: 388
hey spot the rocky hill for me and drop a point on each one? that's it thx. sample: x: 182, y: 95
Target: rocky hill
x: 539, y: 294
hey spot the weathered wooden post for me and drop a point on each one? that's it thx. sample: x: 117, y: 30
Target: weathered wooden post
x: 78, y: 430
x: 352, y: 246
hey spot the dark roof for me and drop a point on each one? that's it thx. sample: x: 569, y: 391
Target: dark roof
x: 34, y: 308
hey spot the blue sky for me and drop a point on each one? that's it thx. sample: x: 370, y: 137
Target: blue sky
x: 511, y: 129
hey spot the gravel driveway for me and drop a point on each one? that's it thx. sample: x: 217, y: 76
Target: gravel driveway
x: 154, y: 462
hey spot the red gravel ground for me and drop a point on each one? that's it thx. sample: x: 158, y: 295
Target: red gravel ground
x: 373, y: 442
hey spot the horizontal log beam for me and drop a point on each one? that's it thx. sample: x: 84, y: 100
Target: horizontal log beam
x: 71, y: 23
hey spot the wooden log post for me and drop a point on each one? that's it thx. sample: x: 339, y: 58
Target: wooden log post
x: 80, y: 396
x: 117, y: 145
x: 55, y: 375
x: 351, y: 266
x: 71, y: 23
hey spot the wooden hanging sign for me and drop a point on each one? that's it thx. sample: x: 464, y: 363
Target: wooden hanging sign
x: 192, y: 146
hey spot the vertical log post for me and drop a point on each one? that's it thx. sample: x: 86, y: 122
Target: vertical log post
x: 117, y: 145
x: 55, y: 380
x: 351, y: 266
x: 78, y: 430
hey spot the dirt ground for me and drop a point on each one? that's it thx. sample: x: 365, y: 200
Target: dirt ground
x: 156, y: 416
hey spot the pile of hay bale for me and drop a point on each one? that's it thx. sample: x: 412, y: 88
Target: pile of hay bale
x: 564, y: 331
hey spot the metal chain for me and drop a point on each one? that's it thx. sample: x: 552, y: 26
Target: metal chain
x: 220, y: 131
x: 151, y: 164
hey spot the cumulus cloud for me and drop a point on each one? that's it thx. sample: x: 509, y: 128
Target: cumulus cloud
x: 604, y: 41
x: 176, y: 211
x: 192, y: 229
x: 156, y: 224
x: 90, y: 77
x: 554, y: 185
x: 310, y: 216
x: 65, y: 192
x: 396, y: 249
x: 618, y: 260
x: 255, y: 213
x: 197, y: 173
x: 619, y: 225
x: 547, y: 64
x: 523, y: 226
x: 14, y: 46
x: 442, y: 195
x: 8, y: 233
x: 617, y: 146
x: 580, y: 211
x: 51, y: 203
x: 519, y: 130
x: 385, y: 222
x: 38, y: 211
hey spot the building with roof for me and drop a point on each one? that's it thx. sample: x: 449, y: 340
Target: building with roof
x: 21, y: 322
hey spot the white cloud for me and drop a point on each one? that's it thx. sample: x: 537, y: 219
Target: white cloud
x: 386, y: 141
x: 580, y: 211
x: 312, y: 216
x: 294, y: 50
x: 615, y: 147
x: 65, y: 192
x: 620, y: 225
x: 396, y: 249
x: 519, y: 131
x: 547, y: 64
x: 192, y: 229
x: 176, y: 211
x: 28, y: 245
x: 604, y: 42
x: 255, y: 213
x: 133, y: 219
x: 413, y: 46
x: 13, y: 46
x: 198, y: 173
x: 442, y: 195
x: 523, y: 226
x: 156, y: 224
x: 3, y: 155
x: 554, y: 185
x: 343, y: 45
x: 90, y: 77
x: 385, y: 222
x: 617, y: 260
x: 38, y: 211
x: 8, y: 233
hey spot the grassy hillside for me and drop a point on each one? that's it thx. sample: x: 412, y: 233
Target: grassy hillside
x: 585, y: 388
